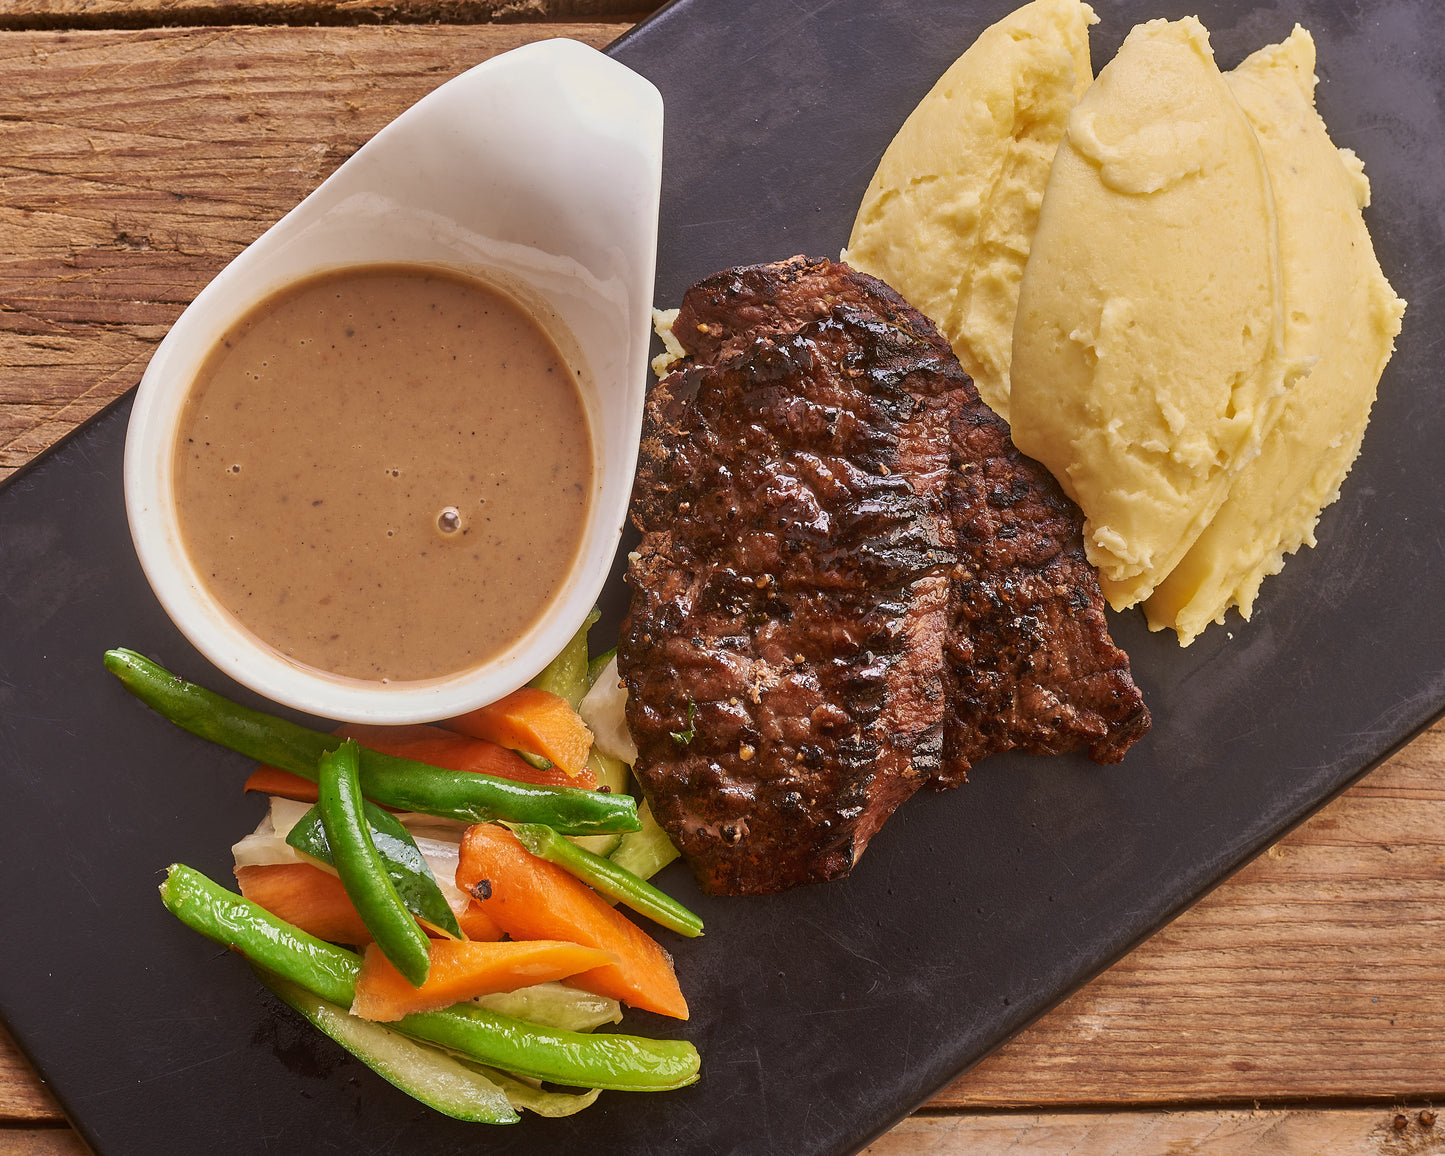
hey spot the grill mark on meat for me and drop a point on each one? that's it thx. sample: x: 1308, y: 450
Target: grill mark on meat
x: 791, y: 592
x: 1030, y: 662
x: 850, y: 583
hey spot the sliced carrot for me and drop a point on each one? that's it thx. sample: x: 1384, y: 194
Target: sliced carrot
x: 461, y: 970
x: 307, y: 896
x: 533, y: 899
x: 274, y: 781
x: 477, y: 924
x: 465, y: 752
x: 536, y: 721
x: 315, y: 901
x: 433, y: 746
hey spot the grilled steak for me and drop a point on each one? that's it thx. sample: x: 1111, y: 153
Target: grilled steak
x: 828, y: 609
x: 1030, y: 663
x: 784, y: 648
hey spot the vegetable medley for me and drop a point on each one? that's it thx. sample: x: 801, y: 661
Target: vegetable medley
x: 477, y: 868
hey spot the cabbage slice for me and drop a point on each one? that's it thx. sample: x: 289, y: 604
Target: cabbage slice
x: 603, y: 709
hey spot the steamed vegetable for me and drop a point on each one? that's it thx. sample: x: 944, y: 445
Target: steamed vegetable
x: 555, y: 1005
x: 472, y: 1025
x: 645, y: 852
x: 608, y: 878
x: 462, y: 970
x: 604, y: 711
x: 532, y: 720
x: 595, y: 666
x: 606, y: 1061
x: 305, y: 895
x: 362, y: 869
x: 232, y: 921
x: 423, y: 743
x: 611, y: 775
x: 261, y: 853
x: 524, y: 1095
x: 532, y: 899
x: 624, y: 1063
x: 476, y: 924
x: 397, y: 852
x: 440, y: 1081
x: 387, y: 780
x: 438, y: 747
x: 566, y: 675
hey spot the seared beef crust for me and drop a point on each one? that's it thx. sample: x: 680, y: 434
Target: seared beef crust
x: 784, y: 647
x: 850, y: 583
x: 1030, y: 663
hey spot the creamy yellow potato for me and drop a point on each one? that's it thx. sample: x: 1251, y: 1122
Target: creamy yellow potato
x: 1181, y: 315
x: 948, y: 216
x: 1149, y: 357
x: 1343, y: 317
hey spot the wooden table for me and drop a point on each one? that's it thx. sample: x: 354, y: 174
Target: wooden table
x: 1297, y: 1009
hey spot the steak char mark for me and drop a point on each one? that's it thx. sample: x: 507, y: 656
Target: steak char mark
x: 1030, y: 664
x: 850, y: 583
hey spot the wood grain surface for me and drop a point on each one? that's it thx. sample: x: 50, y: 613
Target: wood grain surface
x: 1287, y: 1132
x: 135, y: 163
x: 69, y: 14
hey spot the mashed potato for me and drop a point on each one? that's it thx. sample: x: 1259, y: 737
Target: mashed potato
x: 1149, y: 356
x: 948, y: 216
x: 1163, y: 281
x: 1344, y: 318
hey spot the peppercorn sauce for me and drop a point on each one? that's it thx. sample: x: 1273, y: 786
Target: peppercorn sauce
x: 384, y: 472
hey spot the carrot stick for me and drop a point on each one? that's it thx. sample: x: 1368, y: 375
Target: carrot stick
x: 431, y: 745
x: 274, y: 781
x: 477, y: 924
x: 306, y: 896
x: 462, y: 970
x: 465, y: 752
x: 315, y: 901
x: 533, y: 899
x: 535, y: 721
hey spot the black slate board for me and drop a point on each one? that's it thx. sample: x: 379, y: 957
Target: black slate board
x: 826, y: 1014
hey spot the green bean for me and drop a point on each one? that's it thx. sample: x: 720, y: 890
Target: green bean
x: 320, y: 967
x: 362, y: 870
x: 607, y: 877
x: 390, y: 781
x: 597, y: 1060
x: 451, y: 1086
x: 613, y: 775
x: 405, y: 865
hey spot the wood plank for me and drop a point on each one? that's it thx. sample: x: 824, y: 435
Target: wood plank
x: 1393, y: 1131
x: 135, y: 165
x: 1316, y: 971
x: 41, y: 1142
x: 23, y: 1097
x: 54, y: 14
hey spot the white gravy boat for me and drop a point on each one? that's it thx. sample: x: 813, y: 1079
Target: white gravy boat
x: 539, y: 171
